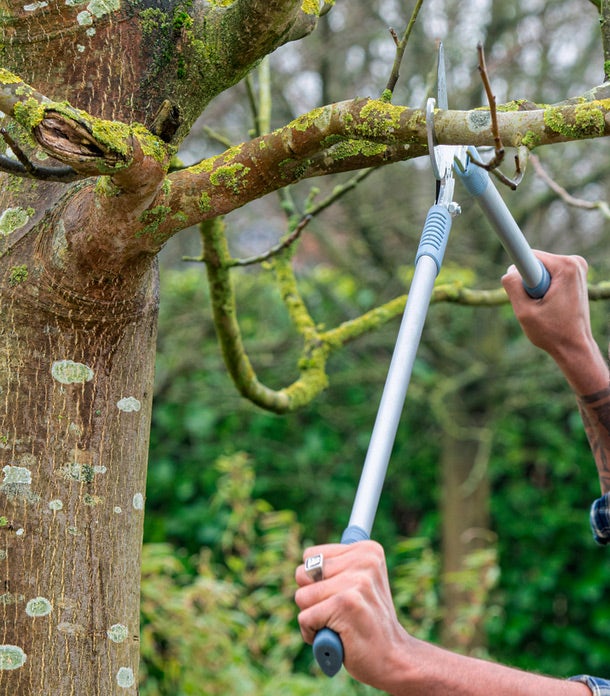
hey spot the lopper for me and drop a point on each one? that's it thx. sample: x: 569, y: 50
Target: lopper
x: 446, y: 160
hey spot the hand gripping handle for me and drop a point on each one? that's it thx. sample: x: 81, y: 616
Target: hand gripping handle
x: 327, y: 645
x: 536, y: 278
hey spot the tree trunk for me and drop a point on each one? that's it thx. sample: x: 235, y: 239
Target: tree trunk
x: 76, y: 375
x: 465, y: 529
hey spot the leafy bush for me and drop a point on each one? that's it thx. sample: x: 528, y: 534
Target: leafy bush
x: 225, y: 621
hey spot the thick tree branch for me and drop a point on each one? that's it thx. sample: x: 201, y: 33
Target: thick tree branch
x: 363, y: 132
x: 312, y: 379
x: 247, y: 30
x: 348, y: 135
x: 89, y: 145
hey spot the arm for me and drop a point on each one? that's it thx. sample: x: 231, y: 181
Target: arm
x: 354, y: 599
x: 559, y: 324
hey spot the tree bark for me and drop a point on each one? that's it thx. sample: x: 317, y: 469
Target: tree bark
x: 76, y: 375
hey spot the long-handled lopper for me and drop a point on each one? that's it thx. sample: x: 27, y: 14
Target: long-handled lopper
x: 327, y: 646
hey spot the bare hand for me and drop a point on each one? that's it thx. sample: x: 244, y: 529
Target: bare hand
x: 559, y: 322
x: 560, y: 319
x: 355, y: 601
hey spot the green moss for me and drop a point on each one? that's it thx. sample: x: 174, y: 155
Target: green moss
x: 106, y: 188
x: 17, y: 275
x: 92, y: 500
x: 311, y: 7
x: 588, y: 121
x: 151, y: 19
x: 205, y: 165
x: 182, y: 19
x: 354, y: 148
x: 230, y: 176
x: 171, y: 34
x: 29, y: 113
x: 205, y: 202
x: 307, y: 120
x: 151, y: 145
x: 514, y: 105
x: 380, y: 119
x: 113, y: 135
x: 153, y: 219
x: 530, y: 140
x: 7, y: 77
x: 14, y: 184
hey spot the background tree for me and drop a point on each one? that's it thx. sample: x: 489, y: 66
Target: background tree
x: 81, y: 232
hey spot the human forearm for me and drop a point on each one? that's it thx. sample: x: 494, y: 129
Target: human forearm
x: 354, y: 600
x: 595, y: 413
x: 586, y: 371
x: 559, y: 324
x: 432, y: 671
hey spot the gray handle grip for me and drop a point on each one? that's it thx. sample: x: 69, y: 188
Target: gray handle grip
x: 536, y: 278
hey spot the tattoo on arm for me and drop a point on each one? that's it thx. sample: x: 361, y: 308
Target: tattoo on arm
x: 595, y: 413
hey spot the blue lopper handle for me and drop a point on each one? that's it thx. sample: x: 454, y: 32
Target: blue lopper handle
x: 536, y: 278
x: 327, y: 645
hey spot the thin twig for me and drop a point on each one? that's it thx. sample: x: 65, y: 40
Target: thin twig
x: 564, y: 195
x: 27, y: 169
x: 604, y: 24
x: 218, y: 137
x: 491, y: 98
x: 284, y: 244
x: 252, y: 103
x: 340, y: 191
x: 400, y: 49
x: 497, y: 159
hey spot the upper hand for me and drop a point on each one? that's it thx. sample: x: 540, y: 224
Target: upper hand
x: 559, y: 321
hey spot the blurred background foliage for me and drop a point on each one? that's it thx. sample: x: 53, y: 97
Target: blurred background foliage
x: 490, y: 444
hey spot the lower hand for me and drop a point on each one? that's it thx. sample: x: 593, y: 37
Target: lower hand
x: 355, y: 601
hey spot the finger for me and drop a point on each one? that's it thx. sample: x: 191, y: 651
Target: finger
x: 339, y: 557
x: 337, y: 550
x: 511, y: 279
x: 329, y: 554
x: 332, y: 612
x: 327, y: 550
x: 310, y: 623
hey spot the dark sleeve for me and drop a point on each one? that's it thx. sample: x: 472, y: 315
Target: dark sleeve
x: 600, y: 520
